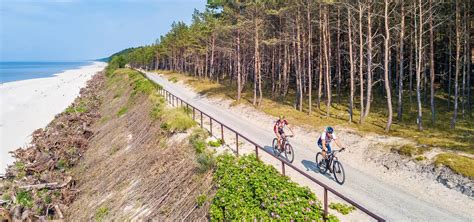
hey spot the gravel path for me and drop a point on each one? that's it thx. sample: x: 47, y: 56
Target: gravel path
x: 388, y: 197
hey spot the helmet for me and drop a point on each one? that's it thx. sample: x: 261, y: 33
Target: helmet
x: 282, y: 116
x: 329, y: 130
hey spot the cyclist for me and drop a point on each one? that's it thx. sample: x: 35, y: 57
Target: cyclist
x: 279, y: 127
x: 324, y: 141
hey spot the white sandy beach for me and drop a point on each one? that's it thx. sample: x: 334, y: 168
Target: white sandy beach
x: 31, y: 104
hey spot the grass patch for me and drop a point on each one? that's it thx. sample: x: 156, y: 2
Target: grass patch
x: 420, y: 158
x: 249, y: 190
x: 173, y: 79
x: 24, y: 199
x: 81, y: 107
x: 176, y: 120
x: 410, y: 150
x: 460, y: 164
x: 344, y: 209
x: 101, y: 213
x: 216, y: 143
x: 122, y: 111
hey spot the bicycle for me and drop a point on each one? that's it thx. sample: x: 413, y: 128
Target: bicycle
x: 331, y: 160
x: 288, y: 149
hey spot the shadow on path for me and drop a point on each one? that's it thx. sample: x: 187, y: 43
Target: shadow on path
x: 310, y: 165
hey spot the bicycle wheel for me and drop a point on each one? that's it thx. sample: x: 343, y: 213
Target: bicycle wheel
x: 321, y: 163
x: 289, y: 153
x: 338, y: 172
x: 276, y: 151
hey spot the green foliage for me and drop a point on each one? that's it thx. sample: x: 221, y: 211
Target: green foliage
x: 77, y: 108
x: 6, y: 197
x: 250, y: 190
x: 101, y: 213
x: 206, y: 161
x: 177, y: 120
x: 62, y: 164
x: 216, y: 143
x: 420, y: 158
x: 157, y: 110
x: 409, y: 150
x: 173, y: 79
x: 122, y: 111
x: 460, y: 164
x: 197, y: 140
x: 24, y: 199
x: 20, y: 166
x: 344, y: 209
x: 201, y: 199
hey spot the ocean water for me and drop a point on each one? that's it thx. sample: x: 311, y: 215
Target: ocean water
x: 15, y: 71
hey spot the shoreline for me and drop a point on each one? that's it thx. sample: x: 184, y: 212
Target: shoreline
x: 31, y: 104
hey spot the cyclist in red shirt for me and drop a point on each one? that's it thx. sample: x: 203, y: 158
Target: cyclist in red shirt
x: 279, y: 127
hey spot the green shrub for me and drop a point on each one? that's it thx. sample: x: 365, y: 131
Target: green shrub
x: 201, y: 199
x: 24, y: 199
x: 216, y: 143
x: 173, y: 79
x: 197, y: 140
x: 206, y: 162
x: 344, y: 209
x: 122, y: 111
x: 177, y: 120
x: 250, y: 190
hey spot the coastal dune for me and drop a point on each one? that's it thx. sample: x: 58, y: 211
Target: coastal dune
x: 31, y: 104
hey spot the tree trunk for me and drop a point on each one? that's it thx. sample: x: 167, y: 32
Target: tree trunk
x: 418, y: 71
x: 432, y: 66
x: 351, y: 67
x: 369, y: 61
x: 310, y: 31
x: 326, y: 40
x: 239, y: 68
x: 458, y: 63
x: 386, y: 58
x: 320, y: 56
x: 361, y: 65
x: 400, y: 54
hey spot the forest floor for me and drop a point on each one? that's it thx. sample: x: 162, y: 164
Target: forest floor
x: 453, y: 148
x: 395, y: 186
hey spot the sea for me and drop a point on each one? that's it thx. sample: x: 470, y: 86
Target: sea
x: 16, y: 71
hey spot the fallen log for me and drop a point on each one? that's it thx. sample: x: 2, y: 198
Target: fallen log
x: 41, y: 186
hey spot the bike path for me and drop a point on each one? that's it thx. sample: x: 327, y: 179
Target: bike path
x: 386, y: 200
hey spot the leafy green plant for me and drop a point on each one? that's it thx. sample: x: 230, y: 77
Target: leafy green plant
x: 101, y: 213
x: 250, y: 190
x: 122, y: 111
x: 216, y: 143
x: 344, y: 209
x: 201, y: 199
x: 24, y: 199
x: 197, y: 140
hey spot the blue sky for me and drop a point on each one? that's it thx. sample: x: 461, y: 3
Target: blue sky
x: 67, y: 30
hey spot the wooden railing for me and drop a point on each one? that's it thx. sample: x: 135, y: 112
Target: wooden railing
x: 179, y: 102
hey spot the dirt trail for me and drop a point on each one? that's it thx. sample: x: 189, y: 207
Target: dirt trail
x: 394, y: 194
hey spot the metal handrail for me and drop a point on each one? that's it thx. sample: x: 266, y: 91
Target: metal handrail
x: 167, y: 95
